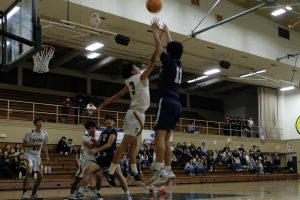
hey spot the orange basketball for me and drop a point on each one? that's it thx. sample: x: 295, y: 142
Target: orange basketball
x: 154, y: 5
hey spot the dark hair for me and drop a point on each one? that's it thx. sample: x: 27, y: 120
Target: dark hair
x: 37, y: 119
x: 126, y: 70
x: 90, y: 124
x: 175, y: 49
x: 110, y: 117
x: 63, y: 137
x: 70, y: 139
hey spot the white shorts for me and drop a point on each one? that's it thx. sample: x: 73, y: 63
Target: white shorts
x: 134, y: 122
x: 82, y: 167
x: 34, y: 161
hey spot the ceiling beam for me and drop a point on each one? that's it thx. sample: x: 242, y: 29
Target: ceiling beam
x: 99, y: 65
x: 69, y: 56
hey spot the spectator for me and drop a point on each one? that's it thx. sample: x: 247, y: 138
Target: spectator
x: 21, y: 166
x: 189, y: 168
x: 97, y: 101
x: 250, y: 124
x: 90, y: 110
x: 66, y: 105
x: 80, y: 105
x: 203, y: 149
x: 62, y: 145
x: 70, y: 147
x: 191, y: 127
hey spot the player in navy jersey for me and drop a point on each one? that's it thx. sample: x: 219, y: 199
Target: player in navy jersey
x: 106, y: 148
x: 169, y: 109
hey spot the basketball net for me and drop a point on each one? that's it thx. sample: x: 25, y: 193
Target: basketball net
x: 42, y: 58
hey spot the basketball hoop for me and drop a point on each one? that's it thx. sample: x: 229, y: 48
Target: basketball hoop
x: 41, y: 59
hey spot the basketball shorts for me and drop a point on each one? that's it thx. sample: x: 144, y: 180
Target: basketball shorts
x: 169, y: 111
x: 104, y: 161
x: 34, y: 161
x: 134, y: 122
x: 82, y: 167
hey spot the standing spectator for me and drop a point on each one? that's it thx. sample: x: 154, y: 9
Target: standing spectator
x: 191, y: 128
x: 62, y: 145
x: 66, y: 105
x: 90, y: 110
x: 250, y: 124
x: 80, y: 105
x: 33, y: 142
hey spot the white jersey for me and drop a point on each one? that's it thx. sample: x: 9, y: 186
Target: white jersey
x: 36, y: 138
x: 139, y: 93
x: 84, y: 151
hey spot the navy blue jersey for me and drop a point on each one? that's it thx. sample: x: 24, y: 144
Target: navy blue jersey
x: 104, y: 140
x: 169, y: 77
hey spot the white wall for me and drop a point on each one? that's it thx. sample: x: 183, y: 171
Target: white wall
x: 289, y: 111
x: 251, y: 33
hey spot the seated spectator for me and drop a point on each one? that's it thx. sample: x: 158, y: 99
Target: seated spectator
x: 21, y: 166
x: 70, y: 147
x: 237, y: 164
x: 66, y: 105
x: 259, y: 167
x: 290, y: 166
x: 17, y: 149
x: 124, y: 164
x: 189, y: 168
x: 62, y: 145
x: 199, y: 168
x: 276, y: 161
x: 90, y: 110
x: 204, y: 151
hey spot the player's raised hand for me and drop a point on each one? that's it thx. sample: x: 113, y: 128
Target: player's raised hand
x: 155, y: 23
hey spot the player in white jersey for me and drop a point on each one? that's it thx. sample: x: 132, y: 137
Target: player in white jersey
x: 33, y: 143
x: 137, y: 84
x: 89, y: 140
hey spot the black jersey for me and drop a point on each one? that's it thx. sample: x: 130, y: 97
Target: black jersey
x: 103, y: 139
x: 169, y: 77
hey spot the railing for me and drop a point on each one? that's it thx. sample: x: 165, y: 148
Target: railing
x: 23, y: 110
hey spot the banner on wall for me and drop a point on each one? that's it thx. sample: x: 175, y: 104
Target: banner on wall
x: 298, y: 125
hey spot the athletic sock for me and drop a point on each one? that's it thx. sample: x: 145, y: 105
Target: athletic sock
x: 159, y: 166
x: 112, y: 169
x: 134, y: 168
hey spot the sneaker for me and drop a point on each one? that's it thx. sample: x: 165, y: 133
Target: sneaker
x: 24, y: 196
x: 163, y: 191
x: 110, y: 178
x: 128, y: 197
x: 97, y: 194
x: 76, y: 195
x: 159, y: 177
x: 136, y: 178
x: 171, y: 175
x: 35, y: 196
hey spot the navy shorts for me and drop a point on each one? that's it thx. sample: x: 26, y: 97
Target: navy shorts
x: 168, y: 114
x: 104, y: 161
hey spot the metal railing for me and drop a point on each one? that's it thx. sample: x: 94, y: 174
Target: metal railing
x: 23, y: 110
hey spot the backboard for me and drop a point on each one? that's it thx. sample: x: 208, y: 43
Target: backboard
x: 20, y: 31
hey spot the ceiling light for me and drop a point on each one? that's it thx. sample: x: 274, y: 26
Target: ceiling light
x: 197, y: 79
x: 288, y: 8
x: 287, y: 88
x: 213, y: 71
x: 93, y: 55
x: 246, y: 75
x: 12, y: 12
x: 94, y: 46
x: 261, y: 71
x: 277, y: 12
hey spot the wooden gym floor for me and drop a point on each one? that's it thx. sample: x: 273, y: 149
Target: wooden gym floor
x: 270, y: 190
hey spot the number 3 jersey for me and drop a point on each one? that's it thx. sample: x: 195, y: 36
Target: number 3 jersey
x: 139, y: 93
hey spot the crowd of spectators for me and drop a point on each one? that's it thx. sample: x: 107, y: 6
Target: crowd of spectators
x: 199, y: 160
x: 237, y: 126
x: 12, y: 163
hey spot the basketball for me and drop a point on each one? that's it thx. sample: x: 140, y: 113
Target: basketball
x: 154, y: 6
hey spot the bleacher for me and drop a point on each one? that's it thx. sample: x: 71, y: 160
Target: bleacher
x: 63, y: 168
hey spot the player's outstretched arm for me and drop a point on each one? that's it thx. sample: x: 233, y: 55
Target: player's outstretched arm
x: 167, y: 32
x: 113, y: 98
x: 158, y: 48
